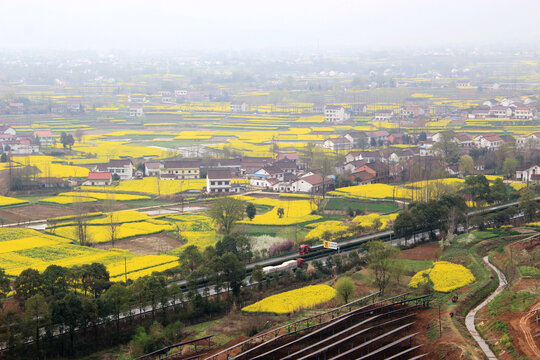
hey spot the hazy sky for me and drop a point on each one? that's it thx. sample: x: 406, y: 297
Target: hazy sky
x: 256, y: 24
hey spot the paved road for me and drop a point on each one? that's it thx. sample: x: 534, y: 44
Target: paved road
x: 470, y: 319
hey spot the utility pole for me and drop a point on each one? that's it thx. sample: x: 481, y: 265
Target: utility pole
x: 125, y: 269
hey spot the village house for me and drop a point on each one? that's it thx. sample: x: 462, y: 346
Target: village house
x: 136, y: 111
x: 501, y: 112
x: 410, y: 111
x: 250, y: 165
x: 525, y: 112
x: 16, y: 108
x: 335, y: 144
x: 7, y: 130
x: 312, y: 183
x: 181, y: 169
x: 531, y: 141
x: 463, y: 84
x: 489, y: 141
x: 396, y: 138
x: 98, y: 179
x: 121, y: 167
x: 152, y: 168
x: 528, y: 174
x: 362, y: 177
x: 220, y: 181
x: 44, y: 137
x: 359, y: 109
x: 269, y: 171
x: 137, y: 99
x: 239, y: 107
x: 19, y: 147
x: 378, y: 137
x: 383, y: 115
x: 368, y: 156
x: 179, y: 93
x: 464, y: 140
x: 335, y: 114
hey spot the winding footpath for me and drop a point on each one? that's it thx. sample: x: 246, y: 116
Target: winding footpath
x: 470, y: 319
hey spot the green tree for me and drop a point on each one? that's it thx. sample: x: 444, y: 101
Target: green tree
x: 68, y: 312
x: 466, y: 165
x: 478, y: 187
x: 509, y: 167
x: 527, y: 203
x: 226, y: 212
x: 117, y: 299
x: 344, y: 289
x: 257, y: 273
x: 499, y: 191
x: 55, y: 281
x: 28, y: 283
x: 234, y: 272
x: 190, y: 259
x: 36, y: 314
x: 381, y: 258
x: 251, y: 211
x: 448, y: 148
x: 5, y: 284
x: 280, y: 212
x: 3, y: 158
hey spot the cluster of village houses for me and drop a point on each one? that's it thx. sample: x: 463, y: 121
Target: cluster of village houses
x: 286, y: 172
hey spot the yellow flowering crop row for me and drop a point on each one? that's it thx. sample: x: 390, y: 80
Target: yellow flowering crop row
x: 7, y: 201
x: 24, y: 248
x: 67, y: 200
x: 290, y: 301
x: 141, y: 262
x: 369, y: 220
x: 294, y: 212
x: 335, y: 228
x: 152, y: 185
x: 445, y: 276
x: 377, y: 191
x: 105, y: 196
x: 101, y: 233
x: 49, y: 169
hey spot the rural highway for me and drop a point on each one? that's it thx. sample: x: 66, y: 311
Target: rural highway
x: 470, y: 319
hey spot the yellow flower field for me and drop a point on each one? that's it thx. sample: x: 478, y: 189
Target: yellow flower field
x: 7, y: 201
x: 290, y: 301
x: 105, y: 196
x: 47, y: 168
x: 24, y: 248
x: 375, y: 191
x: 334, y: 227
x: 294, y: 211
x: 369, y: 220
x: 101, y: 233
x: 445, y: 276
x: 152, y: 185
x: 67, y: 200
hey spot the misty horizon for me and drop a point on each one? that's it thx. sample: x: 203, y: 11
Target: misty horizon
x: 242, y: 25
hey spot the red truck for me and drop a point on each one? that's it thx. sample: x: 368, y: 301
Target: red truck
x: 304, y: 249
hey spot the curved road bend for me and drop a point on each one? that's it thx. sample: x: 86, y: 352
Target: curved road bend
x: 470, y: 319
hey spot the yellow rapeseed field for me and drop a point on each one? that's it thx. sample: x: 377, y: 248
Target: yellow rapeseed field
x: 7, y: 201
x: 445, y: 276
x: 290, y: 301
x: 294, y: 211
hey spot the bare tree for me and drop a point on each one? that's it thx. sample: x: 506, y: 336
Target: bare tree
x: 81, y: 220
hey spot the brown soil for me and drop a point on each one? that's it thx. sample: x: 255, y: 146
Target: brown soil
x: 34, y: 212
x: 145, y: 245
x: 422, y: 252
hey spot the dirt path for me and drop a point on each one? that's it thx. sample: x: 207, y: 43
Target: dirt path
x: 470, y: 319
x: 525, y: 328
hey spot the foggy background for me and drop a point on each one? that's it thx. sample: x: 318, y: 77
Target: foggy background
x: 278, y: 24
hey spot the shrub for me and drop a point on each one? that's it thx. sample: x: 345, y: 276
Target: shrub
x: 282, y: 247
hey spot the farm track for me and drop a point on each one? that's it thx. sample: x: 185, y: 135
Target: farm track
x: 470, y: 319
x: 527, y: 334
